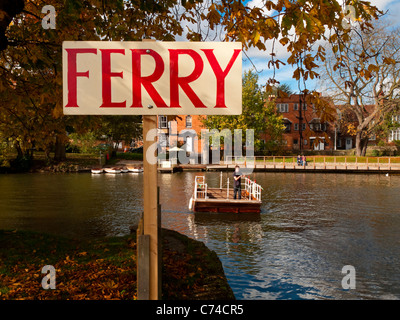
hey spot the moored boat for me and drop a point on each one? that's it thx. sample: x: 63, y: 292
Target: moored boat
x: 97, y: 170
x: 112, y: 170
x: 135, y: 169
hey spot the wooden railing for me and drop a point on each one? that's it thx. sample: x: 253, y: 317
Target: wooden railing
x: 316, y: 162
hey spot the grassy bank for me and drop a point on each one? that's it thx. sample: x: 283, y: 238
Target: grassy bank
x: 105, y: 268
x: 74, y: 162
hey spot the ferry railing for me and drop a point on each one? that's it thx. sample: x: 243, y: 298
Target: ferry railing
x: 200, y: 188
x: 253, y: 189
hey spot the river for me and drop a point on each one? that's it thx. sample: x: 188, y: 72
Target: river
x: 310, y: 227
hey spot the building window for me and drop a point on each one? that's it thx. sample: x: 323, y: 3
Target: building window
x: 296, y: 107
x: 188, y: 121
x: 283, y: 107
x: 304, y: 106
x: 162, y: 122
x: 295, y: 141
x: 305, y: 142
x: 394, y: 135
x: 287, y: 127
x: 304, y: 126
x: 296, y: 126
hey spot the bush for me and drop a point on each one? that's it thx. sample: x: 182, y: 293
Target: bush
x: 22, y: 164
x: 130, y: 156
x: 381, y: 143
x: 4, y: 150
x: 82, y: 143
x: 375, y: 153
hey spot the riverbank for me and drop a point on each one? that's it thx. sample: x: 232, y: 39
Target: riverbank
x: 74, y: 163
x: 105, y: 268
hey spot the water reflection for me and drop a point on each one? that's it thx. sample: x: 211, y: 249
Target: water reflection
x: 310, y: 226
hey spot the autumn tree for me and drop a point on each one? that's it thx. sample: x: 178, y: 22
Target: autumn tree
x: 258, y: 113
x: 8, y: 10
x: 363, y: 78
x: 283, y: 90
x: 30, y: 67
x: 120, y: 128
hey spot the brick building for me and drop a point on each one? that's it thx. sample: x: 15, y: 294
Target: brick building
x: 303, y: 128
x: 182, y: 130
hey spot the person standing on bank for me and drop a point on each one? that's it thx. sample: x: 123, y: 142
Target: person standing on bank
x: 237, y: 181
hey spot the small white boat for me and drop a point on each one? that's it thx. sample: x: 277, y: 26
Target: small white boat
x: 112, y: 170
x: 135, y: 169
x: 124, y: 170
x: 97, y: 170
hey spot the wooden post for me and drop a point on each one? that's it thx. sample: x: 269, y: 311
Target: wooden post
x: 314, y: 161
x: 227, y: 188
x: 142, y: 271
x: 151, y: 213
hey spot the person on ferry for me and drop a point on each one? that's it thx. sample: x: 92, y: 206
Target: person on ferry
x: 237, y: 181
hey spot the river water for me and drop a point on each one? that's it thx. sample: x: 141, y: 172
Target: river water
x: 310, y: 227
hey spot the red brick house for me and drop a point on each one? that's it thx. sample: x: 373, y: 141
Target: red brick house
x: 304, y: 129
x: 187, y: 126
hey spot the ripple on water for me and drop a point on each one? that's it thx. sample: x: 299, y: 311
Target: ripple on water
x: 311, y: 225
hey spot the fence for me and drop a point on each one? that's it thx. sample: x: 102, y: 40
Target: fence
x: 253, y: 189
x: 317, y: 162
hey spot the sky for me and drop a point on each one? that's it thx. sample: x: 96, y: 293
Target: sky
x: 260, y: 59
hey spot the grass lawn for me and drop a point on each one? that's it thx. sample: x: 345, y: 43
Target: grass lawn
x: 104, y: 268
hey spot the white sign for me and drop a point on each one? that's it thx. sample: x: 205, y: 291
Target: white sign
x: 152, y: 78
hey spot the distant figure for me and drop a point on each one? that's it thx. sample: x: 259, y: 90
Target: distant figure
x: 299, y: 160
x: 304, y: 160
x: 237, y: 180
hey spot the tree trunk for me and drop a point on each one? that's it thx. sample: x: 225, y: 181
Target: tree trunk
x: 20, y: 154
x: 59, y: 152
x: 361, y: 144
x: 358, y: 144
x: 364, y: 147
